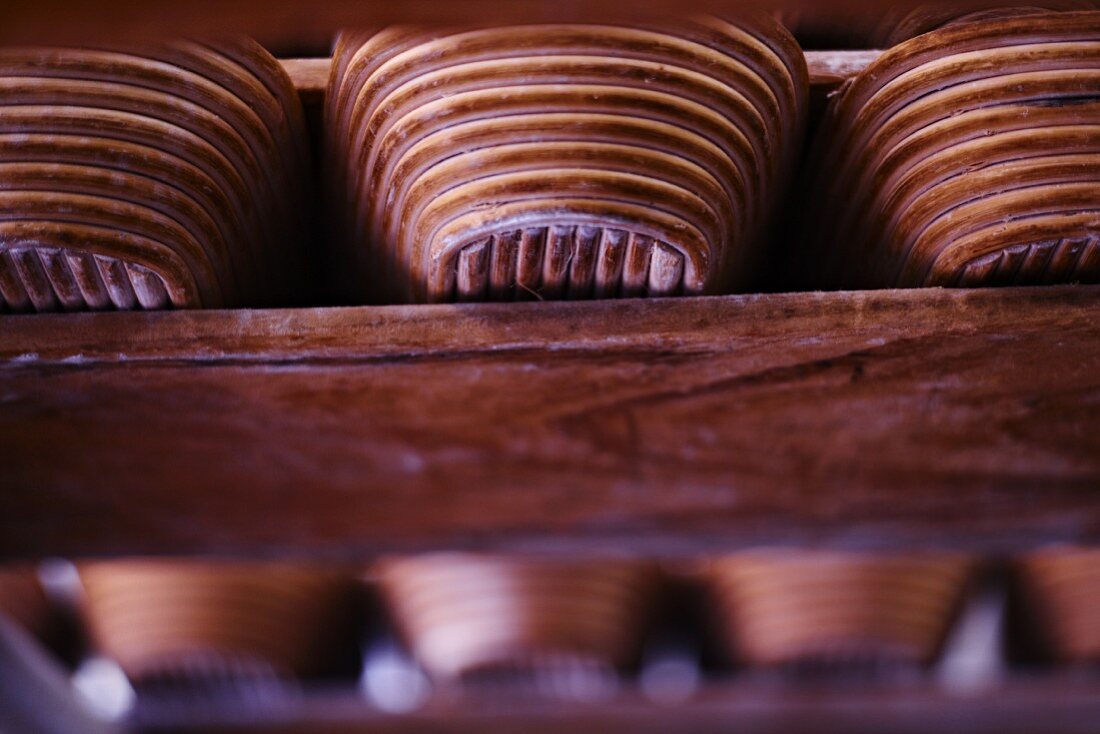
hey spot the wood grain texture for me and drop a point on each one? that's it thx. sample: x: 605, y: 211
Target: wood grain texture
x: 909, y: 418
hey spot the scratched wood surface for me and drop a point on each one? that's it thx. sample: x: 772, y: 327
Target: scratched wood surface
x: 925, y: 417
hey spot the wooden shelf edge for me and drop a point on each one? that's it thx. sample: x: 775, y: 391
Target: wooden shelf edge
x: 406, y: 331
x: 1037, y: 706
x: 882, y: 419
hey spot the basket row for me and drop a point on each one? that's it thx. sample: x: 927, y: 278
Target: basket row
x: 551, y: 161
x: 466, y: 616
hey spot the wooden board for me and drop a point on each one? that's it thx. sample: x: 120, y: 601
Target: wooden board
x: 1037, y: 706
x: 877, y: 419
x: 295, y: 21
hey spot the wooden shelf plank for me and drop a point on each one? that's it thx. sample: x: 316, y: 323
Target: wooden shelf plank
x: 294, y: 20
x: 1046, y: 704
x: 873, y: 419
x: 309, y: 77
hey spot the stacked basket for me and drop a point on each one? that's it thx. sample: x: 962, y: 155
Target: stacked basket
x: 147, y: 177
x: 1061, y: 591
x: 560, y: 161
x: 870, y: 26
x: 900, y: 23
x: 188, y: 622
x: 465, y: 615
x: 967, y: 156
x: 837, y: 610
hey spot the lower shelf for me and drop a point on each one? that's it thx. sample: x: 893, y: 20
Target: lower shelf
x: 872, y: 419
x: 1019, y: 707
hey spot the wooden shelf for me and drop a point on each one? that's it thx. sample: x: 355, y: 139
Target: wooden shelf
x: 945, y: 419
x: 874, y: 419
x: 1023, y: 706
x: 294, y: 20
